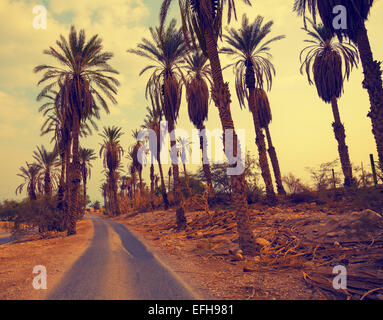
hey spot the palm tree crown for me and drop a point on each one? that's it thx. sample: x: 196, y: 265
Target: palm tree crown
x: 197, y: 89
x: 325, y: 58
x: 166, y: 50
x: 249, y: 49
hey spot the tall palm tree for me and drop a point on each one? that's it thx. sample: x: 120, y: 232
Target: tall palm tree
x: 324, y: 58
x: 32, y: 180
x: 357, y: 15
x: 48, y: 166
x: 252, y: 67
x: 197, y: 94
x: 167, y: 50
x: 86, y: 80
x: 202, y: 22
x: 86, y: 156
x: 112, y: 152
x: 152, y: 121
x: 265, y: 117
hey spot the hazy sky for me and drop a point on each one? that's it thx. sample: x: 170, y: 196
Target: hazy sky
x: 301, y: 127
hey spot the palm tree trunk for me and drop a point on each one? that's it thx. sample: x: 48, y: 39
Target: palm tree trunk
x: 75, y: 178
x: 178, y: 197
x: 340, y: 136
x: 274, y: 163
x: 47, y: 184
x: 221, y: 98
x: 115, y: 204
x: 260, y: 138
x: 205, y: 162
x: 163, y: 187
x: 373, y: 83
x: 60, y: 192
x: 187, y: 180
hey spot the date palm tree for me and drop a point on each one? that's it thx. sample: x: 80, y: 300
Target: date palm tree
x: 166, y: 50
x: 32, y: 180
x: 202, y: 23
x: 48, y: 167
x: 252, y: 67
x: 357, y: 12
x: 86, y: 82
x: 265, y: 117
x: 137, y: 161
x: 324, y: 58
x: 86, y: 156
x: 111, y: 151
x: 153, y: 122
x: 197, y: 95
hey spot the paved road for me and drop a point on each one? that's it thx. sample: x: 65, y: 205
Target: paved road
x: 5, y: 237
x: 118, y: 266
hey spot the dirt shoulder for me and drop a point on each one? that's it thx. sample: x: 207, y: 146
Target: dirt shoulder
x: 300, y: 246
x: 57, y: 254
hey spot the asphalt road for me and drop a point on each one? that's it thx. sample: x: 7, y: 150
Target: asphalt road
x: 5, y: 237
x: 118, y: 266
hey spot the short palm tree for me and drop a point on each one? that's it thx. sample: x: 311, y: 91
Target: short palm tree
x: 202, y: 23
x: 167, y: 50
x: 111, y: 151
x: 357, y: 12
x: 49, y: 165
x: 32, y: 180
x: 137, y: 161
x: 153, y: 122
x: 86, y: 156
x: 252, y: 68
x: 324, y: 58
x: 85, y: 80
x: 197, y: 95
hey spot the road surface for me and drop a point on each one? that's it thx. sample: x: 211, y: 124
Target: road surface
x: 5, y: 237
x: 118, y: 266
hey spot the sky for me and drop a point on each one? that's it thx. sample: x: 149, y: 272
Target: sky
x: 301, y: 127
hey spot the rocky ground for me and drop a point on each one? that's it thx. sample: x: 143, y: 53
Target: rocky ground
x: 300, y: 246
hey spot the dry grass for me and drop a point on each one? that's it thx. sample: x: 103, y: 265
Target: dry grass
x: 57, y: 254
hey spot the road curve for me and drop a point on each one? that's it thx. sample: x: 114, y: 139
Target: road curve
x: 117, y: 266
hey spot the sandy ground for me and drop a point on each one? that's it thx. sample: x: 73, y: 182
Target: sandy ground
x: 57, y: 254
x: 199, y: 255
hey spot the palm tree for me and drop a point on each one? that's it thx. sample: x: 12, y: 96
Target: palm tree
x: 85, y: 80
x: 48, y: 167
x: 86, y: 156
x: 112, y: 152
x: 136, y: 161
x: 252, y: 66
x: 202, y: 22
x: 197, y: 94
x: 184, y: 149
x: 324, y: 58
x: 265, y: 117
x: 167, y: 50
x: 32, y: 180
x: 357, y: 14
x: 153, y: 122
